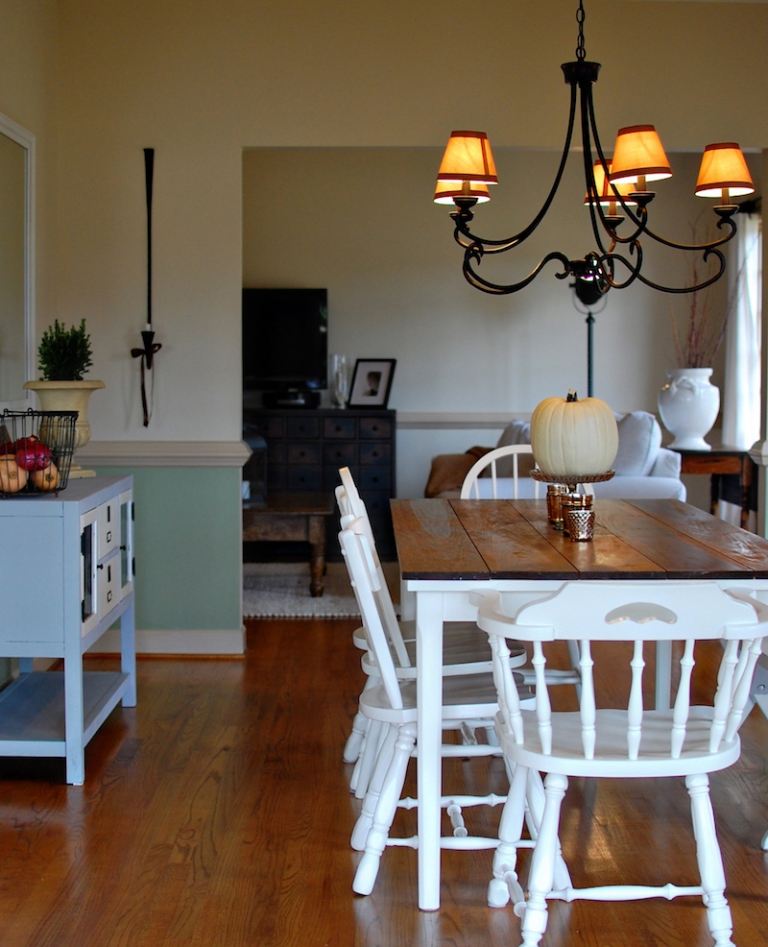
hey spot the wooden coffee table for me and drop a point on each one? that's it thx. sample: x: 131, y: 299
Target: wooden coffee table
x: 292, y: 517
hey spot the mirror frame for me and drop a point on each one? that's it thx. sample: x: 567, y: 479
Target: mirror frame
x: 27, y: 141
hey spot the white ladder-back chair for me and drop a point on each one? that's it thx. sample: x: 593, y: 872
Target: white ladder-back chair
x: 391, y: 703
x: 487, y: 466
x: 470, y: 490
x: 465, y: 647
x: 688, y: 740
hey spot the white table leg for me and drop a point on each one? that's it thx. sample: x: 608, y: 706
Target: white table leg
x: 429, y: 696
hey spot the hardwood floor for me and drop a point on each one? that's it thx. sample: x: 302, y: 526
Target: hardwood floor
x: 217, y: 813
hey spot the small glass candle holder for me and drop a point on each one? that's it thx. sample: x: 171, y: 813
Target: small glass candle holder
x: 556, y: 493
x: 579, y: 523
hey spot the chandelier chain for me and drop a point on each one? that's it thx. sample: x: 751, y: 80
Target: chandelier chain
x: 580, y: 47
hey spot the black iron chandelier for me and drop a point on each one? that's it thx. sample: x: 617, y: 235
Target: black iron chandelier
x: 616, y: 193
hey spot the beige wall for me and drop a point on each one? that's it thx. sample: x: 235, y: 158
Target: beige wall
x: 199, y: 81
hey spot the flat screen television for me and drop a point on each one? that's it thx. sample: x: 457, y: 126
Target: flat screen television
x: 285, y: 339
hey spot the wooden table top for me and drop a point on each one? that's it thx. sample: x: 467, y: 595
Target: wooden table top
x: 512, y: 539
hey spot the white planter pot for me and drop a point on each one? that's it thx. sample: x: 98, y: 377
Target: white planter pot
x: 688, y: 406
x: 69, y: 396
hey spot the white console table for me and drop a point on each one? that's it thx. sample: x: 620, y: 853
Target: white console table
x: 66, y: 576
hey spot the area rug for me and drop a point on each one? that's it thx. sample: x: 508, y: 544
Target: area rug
x: 277, y: 590
x: 281, y: 590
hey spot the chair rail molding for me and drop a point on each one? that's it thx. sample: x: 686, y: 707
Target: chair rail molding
x: 165, y: 453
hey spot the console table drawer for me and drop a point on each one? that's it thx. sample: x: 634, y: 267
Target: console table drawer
x: 375, y: 478
x: 302, y: 427
x: 304, y: 453
x: 375, y: 427
x: 341, y: 428
x: 375, y: 453
x: 342, y: 455
x: 304, y: 478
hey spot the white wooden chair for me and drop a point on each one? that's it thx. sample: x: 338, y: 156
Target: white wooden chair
x: 687, y: 741
x: 487, y: 466
x: 470, y: 490
x: 391, y: 703
x: 465, y: 647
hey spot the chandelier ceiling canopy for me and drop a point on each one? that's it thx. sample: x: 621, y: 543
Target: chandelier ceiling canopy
x: 616, y: 196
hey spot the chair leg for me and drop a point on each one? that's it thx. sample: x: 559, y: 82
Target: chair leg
x: 504, y: 883
x: 365, y: 819
x: 764, y: 843
x: 543, y: 862
x: 709, y: 859
x: 367, y: 760
x: 365, y: 876
x: 535, y: 800
x: 355, y: 739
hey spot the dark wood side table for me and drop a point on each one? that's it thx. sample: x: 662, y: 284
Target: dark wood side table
x: 292, y: 517
x: 721, y: 460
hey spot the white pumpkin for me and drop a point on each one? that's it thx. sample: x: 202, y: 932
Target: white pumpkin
x: 569, y: 436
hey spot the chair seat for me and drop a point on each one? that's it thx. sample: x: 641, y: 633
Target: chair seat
x: 471, y: 697
x: 610, y: 757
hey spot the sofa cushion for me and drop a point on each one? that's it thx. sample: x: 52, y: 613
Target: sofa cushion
x: 639, y: 443
x: 516, y: 432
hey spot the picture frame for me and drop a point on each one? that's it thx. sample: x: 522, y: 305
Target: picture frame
x: 371, y: 382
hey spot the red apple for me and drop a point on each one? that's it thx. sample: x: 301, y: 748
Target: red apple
x: 32, y: 453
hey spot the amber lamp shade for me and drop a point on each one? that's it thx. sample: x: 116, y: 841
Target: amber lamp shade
x: 468, y: 157
x: 724, y: 172
x: 605, y: 193
x: 639, y: 156
x: 447, y: 191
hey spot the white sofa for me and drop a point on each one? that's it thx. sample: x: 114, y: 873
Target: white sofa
x: 644, y: 469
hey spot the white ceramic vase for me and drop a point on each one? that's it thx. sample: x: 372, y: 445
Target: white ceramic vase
x: 688, y: 406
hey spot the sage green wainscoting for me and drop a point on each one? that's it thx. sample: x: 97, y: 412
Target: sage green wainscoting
x: 188, y: 548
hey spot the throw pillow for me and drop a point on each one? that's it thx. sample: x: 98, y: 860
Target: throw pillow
x: 639, y: 443
x: 516, y: 432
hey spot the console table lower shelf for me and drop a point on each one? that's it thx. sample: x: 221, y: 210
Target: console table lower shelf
x: 33, y: 714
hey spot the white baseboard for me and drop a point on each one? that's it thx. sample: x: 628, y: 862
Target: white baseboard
x: 177, y: 641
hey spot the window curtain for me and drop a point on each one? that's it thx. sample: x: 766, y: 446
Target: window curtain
x: 741, y: 388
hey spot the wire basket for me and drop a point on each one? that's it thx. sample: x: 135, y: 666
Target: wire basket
x: 35, y: 451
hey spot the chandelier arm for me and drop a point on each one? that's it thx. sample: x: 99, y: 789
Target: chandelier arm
x: 634, y: 270
x: 638, y: 218
x: 593, y: 203
x: 681, y: 290
x: 475, y: 254
x: 712, y: 245
x: 464, y: 236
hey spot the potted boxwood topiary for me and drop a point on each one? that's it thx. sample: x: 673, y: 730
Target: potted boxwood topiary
x: 64, y: 357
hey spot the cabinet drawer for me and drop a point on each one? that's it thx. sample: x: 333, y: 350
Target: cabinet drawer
x: 339, y: 428
x: 108, y: 518
x: 268, y: 428
x: 375, y: 478
x: 304, y: 453
x: 277, y: 477
x: 375, y: 453
x: 302, y: 427
x: 304, y: 478
x: 277, y: 452
x: 108, y: 585
x: 375, y: 427
x: 340, y: 454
